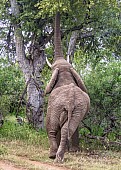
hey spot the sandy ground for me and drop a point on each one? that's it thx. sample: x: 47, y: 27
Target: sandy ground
x: 8, y: 166
x: 5, y: 165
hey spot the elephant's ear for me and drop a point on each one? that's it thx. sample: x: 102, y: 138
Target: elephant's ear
x: 53, y: 79
x: 78, y: 80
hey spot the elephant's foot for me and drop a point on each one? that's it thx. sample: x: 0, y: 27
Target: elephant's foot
x: 53, y: 149
x: 59, y: 157
x: 52, y: 154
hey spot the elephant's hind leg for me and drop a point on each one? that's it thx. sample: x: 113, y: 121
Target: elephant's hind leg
x: 63, y: 143
x: 53, y: 144
x: 74, y: 143
x: 77, y: 117
x: 52, y: 127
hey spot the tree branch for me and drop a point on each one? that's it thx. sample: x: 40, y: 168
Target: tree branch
x: 22, y: 96
x: 85, y: 35
x: 71, y: 45
x: 75, y: 28
x: 103, y: 140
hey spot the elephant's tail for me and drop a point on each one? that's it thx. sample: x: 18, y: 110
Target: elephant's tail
x: 70, y: 105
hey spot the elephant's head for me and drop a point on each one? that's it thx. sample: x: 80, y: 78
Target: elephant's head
x: 60, y: 64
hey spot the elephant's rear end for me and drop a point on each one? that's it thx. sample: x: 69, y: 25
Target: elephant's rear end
x: 69, y: 98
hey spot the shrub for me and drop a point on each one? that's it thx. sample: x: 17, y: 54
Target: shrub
x: 104, y: 87
x: 11, y: 85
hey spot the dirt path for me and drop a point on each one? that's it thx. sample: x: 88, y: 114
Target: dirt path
x: 8, y: 166
x: 46, y: 166
x: 5, y: 165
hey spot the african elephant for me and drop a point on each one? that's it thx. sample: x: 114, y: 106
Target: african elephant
x: 68, y: 103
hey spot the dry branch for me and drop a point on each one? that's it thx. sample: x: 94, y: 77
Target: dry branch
x: 103, y: 139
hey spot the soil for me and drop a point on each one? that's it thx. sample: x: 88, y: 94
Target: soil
x: 8, y: 166
x: 5, y: 165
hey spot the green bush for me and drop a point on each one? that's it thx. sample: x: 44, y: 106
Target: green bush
x: 104, y: 87
x: 11, y: 86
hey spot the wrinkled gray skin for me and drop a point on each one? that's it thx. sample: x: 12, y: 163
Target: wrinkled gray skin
x: 67, y: 105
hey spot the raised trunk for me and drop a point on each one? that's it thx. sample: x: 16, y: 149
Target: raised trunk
x: 31, y: 69
x: 57, y: 38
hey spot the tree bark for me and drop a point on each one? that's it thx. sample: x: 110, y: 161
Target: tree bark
x: 1, y: 119
x: 34, y: 91
x: 71, y: 46
x: 31, y: 68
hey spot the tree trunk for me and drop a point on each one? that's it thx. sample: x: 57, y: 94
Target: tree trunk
x: 34, y: 91
x: 71, y: 46
x: 1, y: 119
x: 31, y: 68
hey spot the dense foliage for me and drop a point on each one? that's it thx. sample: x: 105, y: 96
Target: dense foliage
x: 104, y: 86
x: 11, y: 87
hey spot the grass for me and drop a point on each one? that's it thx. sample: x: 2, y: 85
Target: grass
x: 18, y: 143
x: 14, y: 131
